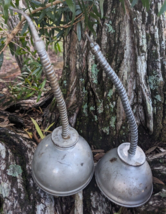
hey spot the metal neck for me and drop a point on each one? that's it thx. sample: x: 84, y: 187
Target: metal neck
x: 40, y: 47
x: 121, y: 91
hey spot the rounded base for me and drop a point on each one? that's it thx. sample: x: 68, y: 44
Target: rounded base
x: 122, y: 204
x: 62, y: 171
x: 123, y: 184
x: 63, y: 194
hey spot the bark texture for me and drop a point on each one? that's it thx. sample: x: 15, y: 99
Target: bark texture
x: 18, y: 192
x: 134, y: 45
x: 20, y: 195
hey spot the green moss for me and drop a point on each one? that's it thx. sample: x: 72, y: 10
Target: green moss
x: 92, y: 108
x: 14, y: 170
x: 110, y: 28
x: 112, y: 121
x: 94, y: 72
x: 153, y: 82
x: 114, y: 10
x: 95, y: 118
x: 85, y: 109
x: 1, y: 210
x: 82, y: 80
x: 65, y: 83
x: 106, y: 130
x: 84, y: 90
x: 110, y: 93
x: 124, y: 131
x: 158, y: 97
x: 100, y: 108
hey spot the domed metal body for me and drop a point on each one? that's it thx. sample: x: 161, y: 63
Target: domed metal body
x: 124, y: 184
x: 63, y: 163
x: 123, y: 175
x: 63, y: 171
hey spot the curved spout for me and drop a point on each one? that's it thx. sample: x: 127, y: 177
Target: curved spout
x: 40, y: 47
x: 122, y: 93
x: 30, y: 23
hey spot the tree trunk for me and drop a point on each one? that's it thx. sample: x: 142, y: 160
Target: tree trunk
x: 18, y: 192
x: 133, y: 42
x: 134, y: 45
x: 20, y: 195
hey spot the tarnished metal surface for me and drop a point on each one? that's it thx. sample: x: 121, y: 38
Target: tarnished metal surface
x: 125, y: 185
x: 40, y: 47
x: 136, y: 160
x: 57, y: 92
x: 62, y: 172
x: 122, y: 93
x: 59, y: 141
x: 63, y: 162
x: 123, y: 174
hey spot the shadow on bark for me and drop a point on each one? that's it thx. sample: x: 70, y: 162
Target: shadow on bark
x: 20, y: 195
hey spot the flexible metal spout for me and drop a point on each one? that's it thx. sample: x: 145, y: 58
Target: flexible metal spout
x: 40, y: 47
x: 121, y: 91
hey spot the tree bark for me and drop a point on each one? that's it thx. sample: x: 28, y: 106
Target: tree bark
x: 134, y: 45
x: 133, y: 42
x: 20, y: 195
x: 18, y: 192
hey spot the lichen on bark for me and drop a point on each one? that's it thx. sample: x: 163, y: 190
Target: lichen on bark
x: 133, y: 43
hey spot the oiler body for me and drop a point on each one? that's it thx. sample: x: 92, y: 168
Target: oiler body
x: 63, y: 171
x: 123, y: 184
x: 123, y: 174
x: 63, y: 163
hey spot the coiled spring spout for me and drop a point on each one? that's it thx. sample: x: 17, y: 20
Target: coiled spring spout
x: 122, y: 93
x: 40, y: 47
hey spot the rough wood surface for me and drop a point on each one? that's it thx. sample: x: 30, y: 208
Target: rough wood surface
x: 19, y: 194
x: 134, y: 45
x: 157, y: 203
